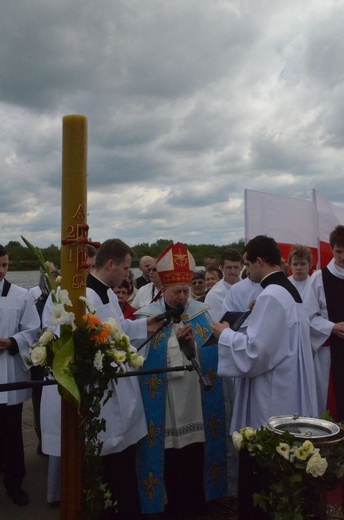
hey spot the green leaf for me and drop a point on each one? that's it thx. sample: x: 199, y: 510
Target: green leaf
x: 64, y: 355
x: 40, y: 257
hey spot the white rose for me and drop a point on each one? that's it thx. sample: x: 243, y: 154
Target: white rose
x: 249, y: 433
x: 38, y: 356
x: 238, y: 440
x: 283, y: 449
x: 46, y: 337
x: 316, y: 465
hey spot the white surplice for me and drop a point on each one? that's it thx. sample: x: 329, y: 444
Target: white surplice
x: 239, y: 298
x: 320, y: 329
x: 124, y: 413
x: 275, y: 368
x: 19, y: 319
x: 215, y: 297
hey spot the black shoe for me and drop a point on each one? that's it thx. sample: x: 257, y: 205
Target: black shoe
x: 18, y: 496
x: 54, y: 505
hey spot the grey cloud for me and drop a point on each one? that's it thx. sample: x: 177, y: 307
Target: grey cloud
x: 188, y: 104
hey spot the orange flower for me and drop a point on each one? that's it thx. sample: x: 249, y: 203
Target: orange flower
x: 100, y: 331
x: 92, y: 321
x: 101, y: 334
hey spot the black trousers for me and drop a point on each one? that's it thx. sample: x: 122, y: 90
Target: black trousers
x: 184, y: 479
x: 11, y: 442
x: 251, y: 480
x: 120, y: 473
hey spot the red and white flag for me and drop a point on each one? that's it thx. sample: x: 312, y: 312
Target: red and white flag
x: 328, y: 217
x: 288, y: 220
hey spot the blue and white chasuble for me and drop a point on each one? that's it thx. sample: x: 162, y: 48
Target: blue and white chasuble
x: 154, y: 388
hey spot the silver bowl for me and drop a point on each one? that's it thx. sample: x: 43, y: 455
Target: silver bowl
x: 303, y: 427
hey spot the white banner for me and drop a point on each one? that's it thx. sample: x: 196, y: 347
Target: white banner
x: 288, y: 220
x: 329, y: 216
x: 293, y: 221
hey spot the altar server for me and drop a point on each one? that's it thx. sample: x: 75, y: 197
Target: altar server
x: 274, y: 359
x: 19, y: 326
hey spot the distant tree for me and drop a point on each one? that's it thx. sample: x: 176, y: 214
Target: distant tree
x: 141, y: 250
x: 21, y: 257
x: 159, y: 246
x: 52, y: 254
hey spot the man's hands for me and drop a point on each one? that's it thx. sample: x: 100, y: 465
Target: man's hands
x: 186, y: 333
x: 152, y: 325
x: 338, y: 329
x: 218, y: 327
x: 5, y: 343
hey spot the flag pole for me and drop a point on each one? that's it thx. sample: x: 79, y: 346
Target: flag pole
x: 74, y: 233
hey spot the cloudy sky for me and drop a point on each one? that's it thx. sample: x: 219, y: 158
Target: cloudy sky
x: 188, y: 102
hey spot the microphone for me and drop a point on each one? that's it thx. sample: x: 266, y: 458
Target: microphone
x: 190, y: 355
x: 170, y: 314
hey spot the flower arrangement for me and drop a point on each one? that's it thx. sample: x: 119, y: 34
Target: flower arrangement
x: 85, y: 361
x: 298, y: 472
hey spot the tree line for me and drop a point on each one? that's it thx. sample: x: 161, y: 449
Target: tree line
x: 22, y: 259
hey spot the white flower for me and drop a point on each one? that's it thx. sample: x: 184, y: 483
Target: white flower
x: 38, y: 356
x: 98, y: 360
x: 238, y: 440
x: 249, y: 432
x: 114, y: 329
x: 316, y: 465
x: 125, y: 341
x: 304, y: 451
x: 136, y: 361
x: 119, y: 356
x: 46, y: 337
x: 88, y: 304
x: 59, y: 316
x: 63, y: 297
x: 283, y: 449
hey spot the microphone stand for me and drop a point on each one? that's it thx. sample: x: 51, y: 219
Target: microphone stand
x: 164, y: 324
x: 188, y: 352
x: 190, y: 355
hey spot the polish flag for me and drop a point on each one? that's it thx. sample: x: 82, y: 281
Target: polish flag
x: 328, y: 217
x: 288, y: 220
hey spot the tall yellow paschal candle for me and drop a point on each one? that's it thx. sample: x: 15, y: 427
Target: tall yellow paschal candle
x: 74, y: 238
x: 74, y: 209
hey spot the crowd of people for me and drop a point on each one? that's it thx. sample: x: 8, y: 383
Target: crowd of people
x: 167, y: 446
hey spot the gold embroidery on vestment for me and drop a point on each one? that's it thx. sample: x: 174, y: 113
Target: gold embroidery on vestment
x: 150, y: 484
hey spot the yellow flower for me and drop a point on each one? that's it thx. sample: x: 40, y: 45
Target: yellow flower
x: 304, y: 451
